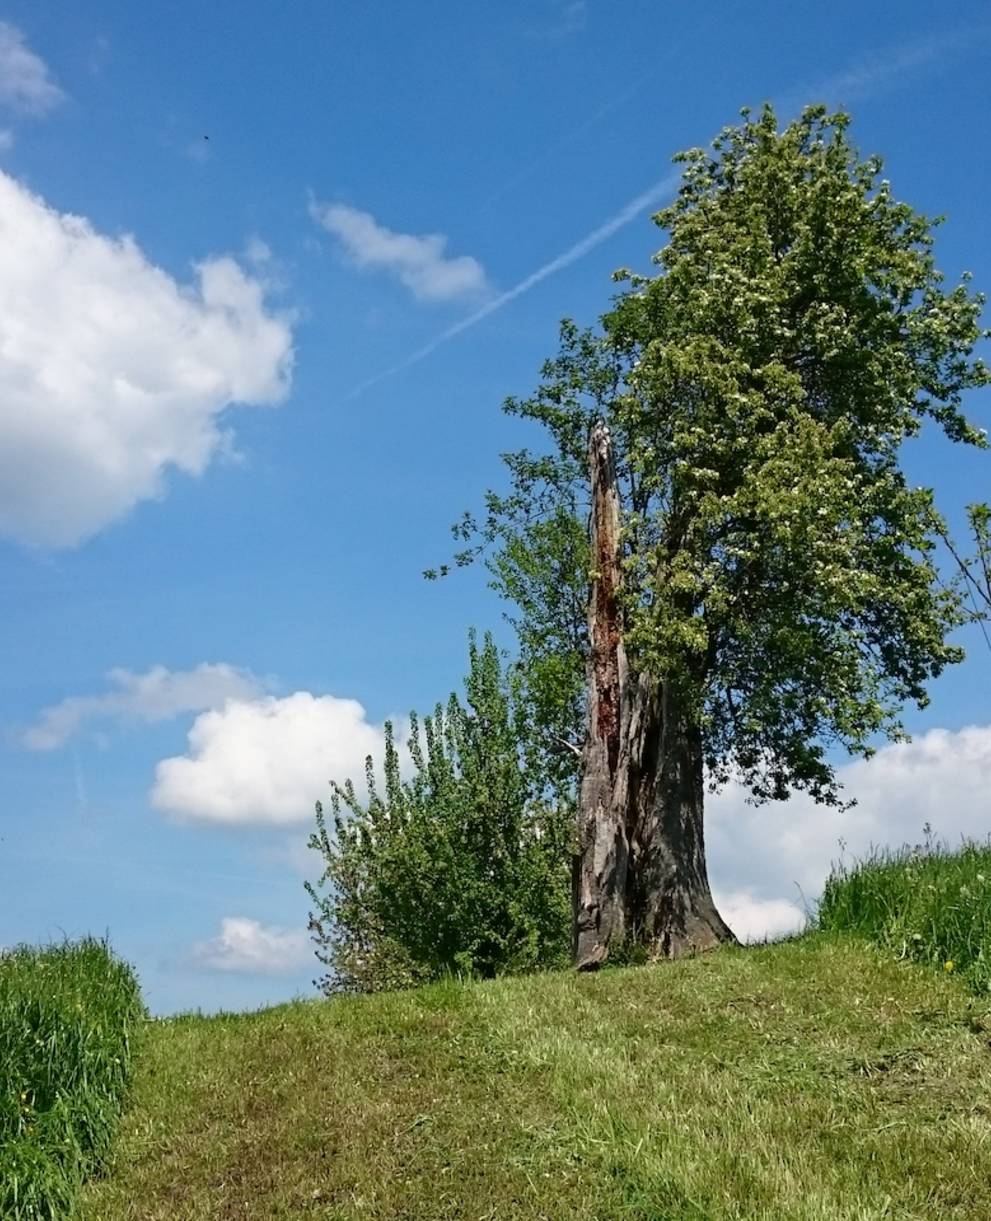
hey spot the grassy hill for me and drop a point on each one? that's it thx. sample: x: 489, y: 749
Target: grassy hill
x: 817, y: 1078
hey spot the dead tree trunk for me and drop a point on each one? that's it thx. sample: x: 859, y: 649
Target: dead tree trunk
x: 639, y: 872
x: 600, y: 865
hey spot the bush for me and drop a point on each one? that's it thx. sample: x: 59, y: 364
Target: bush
x: 462, y: 869
x: 926, y: 903
x: 67, y: 1019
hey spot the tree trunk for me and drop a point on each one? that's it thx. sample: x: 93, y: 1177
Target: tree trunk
x: 639, y: 873
x: 671, y: 905
x: 600, y: 865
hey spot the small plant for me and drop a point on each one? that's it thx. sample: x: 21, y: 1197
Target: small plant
x: 924, y: 902
x: 67, y: 1019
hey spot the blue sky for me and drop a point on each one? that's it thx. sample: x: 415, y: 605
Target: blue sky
x: 266, y: 274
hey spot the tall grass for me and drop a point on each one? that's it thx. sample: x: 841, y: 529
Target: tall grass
x: 68, y: 1014
x: 928, y: 903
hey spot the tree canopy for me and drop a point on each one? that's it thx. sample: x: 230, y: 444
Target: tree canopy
x: 779, y: 571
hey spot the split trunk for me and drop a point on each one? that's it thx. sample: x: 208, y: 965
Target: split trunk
x: 639, y: 873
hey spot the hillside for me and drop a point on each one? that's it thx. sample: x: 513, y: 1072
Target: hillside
x: 812, y: 1079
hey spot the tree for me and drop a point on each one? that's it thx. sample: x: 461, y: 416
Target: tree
x: 760, y: 577
x: 461, y: 869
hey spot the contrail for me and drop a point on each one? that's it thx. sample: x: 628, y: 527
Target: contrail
x: 650, y: 198
x: 862, y: 81
x: 871, y: 76
x: 670, y: 52
x: 574, y: 135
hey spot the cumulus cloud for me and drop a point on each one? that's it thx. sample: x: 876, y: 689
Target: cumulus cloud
x: 754, y: 919
x: 418, y: 262
x: 266, y: 761
x: 26, y: 85
x: 245, y: 946
x: 760, y: 857
x: 111, y: 372
x: 156, y: 695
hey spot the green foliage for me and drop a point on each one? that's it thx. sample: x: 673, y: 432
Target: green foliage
x: 780, y: 571
x: 68, y: 1015
x: 461, y: 869
x: 925, y: 903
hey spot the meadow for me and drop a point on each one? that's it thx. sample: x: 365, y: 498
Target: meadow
x: 843, y: 1073
x: 818, y: 1078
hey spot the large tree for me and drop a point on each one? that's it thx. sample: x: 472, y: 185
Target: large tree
x: 759, y: 583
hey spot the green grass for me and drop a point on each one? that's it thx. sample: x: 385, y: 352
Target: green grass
x: 926, y: 903
x: 67, y: 1015
x: 817, y: 1078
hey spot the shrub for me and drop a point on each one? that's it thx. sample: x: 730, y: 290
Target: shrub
x: 926, y: 903
x: 67, y: 1019
x: 462, y: 869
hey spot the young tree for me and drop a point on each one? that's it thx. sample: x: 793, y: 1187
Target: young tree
x: 462, y: 869
x: 759, y: 577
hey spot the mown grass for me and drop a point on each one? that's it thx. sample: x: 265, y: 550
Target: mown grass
x: 813, y: 1079
x: 926, y: 903
x: 67, y: 1018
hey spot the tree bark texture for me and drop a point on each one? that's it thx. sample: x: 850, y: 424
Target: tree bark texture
x: 639, y: 873
x: 600, y: 867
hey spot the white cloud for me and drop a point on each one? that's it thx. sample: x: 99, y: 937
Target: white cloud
x: 246, y: 946
x: 765, y: 855
x: 155, y: 695
x: 754, y: 919
x: 418, y: 262
x: 257, y: 252
x: 26, y: 84
x: 111, y: 372
x: 267, y: 760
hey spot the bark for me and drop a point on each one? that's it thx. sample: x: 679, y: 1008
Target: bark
x: 639, y: 872
x: 600, y: 865
x: 671, y: 904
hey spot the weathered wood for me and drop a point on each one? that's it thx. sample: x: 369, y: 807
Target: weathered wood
x: 639, y: 871
x: 601, y: 861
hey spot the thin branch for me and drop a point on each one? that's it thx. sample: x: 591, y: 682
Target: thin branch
x: 973, y: 584
x: 575, y: 750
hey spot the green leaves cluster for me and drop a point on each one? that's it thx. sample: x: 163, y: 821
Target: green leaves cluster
x: 781, y: 573
x: 462, y: 868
